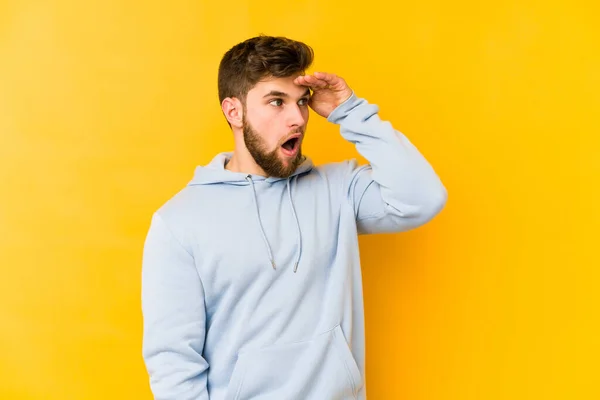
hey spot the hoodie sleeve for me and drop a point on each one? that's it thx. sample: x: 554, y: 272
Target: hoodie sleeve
x: 174, y: 318
x: 398, y: 190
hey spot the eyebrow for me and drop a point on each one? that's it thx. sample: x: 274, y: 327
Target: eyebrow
x: 277, y: 93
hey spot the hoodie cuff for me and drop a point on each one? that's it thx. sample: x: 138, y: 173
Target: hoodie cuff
x: 344, y: 109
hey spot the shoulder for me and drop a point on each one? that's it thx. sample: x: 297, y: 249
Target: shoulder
x: 178, y: 211
x: 334, y: 178
x: 338, y: 171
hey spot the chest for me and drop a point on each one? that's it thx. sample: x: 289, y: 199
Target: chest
x: 243, y: 230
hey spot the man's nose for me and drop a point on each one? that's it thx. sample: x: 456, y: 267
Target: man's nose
x: 296, y: 116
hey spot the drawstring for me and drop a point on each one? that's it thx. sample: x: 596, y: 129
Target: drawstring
x: 262, y: 230
x: 249, y: 179
x: 297, y: 225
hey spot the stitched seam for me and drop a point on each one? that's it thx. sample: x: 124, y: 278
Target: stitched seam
x: 180, y: 245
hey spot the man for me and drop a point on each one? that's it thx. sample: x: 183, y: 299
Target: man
x: 251, y: 274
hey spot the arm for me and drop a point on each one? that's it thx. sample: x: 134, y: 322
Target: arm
x: 174, y: 318
x: 398, y: 190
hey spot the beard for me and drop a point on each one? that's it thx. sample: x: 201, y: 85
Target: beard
x: 269, y: 161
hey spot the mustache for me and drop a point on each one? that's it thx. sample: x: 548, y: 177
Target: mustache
x: 296, y: 133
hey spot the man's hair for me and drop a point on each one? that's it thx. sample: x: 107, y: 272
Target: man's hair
x: 254, y: 59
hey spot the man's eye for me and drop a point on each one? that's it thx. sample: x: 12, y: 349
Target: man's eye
x: 303, y: 102
x: 276, y: 102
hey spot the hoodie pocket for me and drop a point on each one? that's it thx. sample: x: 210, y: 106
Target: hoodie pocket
x: 320, y: 368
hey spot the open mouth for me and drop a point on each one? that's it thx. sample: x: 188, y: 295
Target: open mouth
x: 290, y: 144
x: 290, y: 147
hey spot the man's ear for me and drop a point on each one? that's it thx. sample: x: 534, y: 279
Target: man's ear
x: 233, y: 110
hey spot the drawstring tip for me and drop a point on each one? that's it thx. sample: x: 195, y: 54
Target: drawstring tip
x: 273, y: 264
x: 295, y: 267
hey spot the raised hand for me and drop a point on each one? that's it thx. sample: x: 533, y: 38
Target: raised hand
x: 329, y: 91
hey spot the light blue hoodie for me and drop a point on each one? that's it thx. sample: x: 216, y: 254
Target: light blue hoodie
x: 252, y: 286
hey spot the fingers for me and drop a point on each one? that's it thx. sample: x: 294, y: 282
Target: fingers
x: 311, y: 81
x: 318, y: 80
x: 331, y: 79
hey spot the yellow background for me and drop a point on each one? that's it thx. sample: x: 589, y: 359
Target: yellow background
x: 107, y: 106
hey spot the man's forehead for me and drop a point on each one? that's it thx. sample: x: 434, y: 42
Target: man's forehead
x: 283, y: 85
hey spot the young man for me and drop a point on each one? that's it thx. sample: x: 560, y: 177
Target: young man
x: 251, y: 276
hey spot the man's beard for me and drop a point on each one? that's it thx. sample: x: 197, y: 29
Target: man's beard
x: 269, y: 161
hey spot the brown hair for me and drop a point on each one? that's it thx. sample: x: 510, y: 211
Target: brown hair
x: 245, y: 64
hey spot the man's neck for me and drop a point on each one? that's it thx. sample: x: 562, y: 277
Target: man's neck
x: 243, y: 162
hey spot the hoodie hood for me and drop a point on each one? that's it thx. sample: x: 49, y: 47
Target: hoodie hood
x: 215, y: 173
